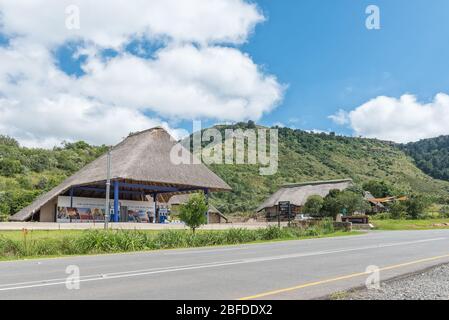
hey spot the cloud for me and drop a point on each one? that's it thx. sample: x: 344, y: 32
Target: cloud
x: 190, y: 75
x: 111, y: 23
x: 340, y: 118
x: 185, y: 82
x: 401, y: 120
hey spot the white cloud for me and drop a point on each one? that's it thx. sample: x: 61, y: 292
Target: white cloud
x: 190, y: 77
x: 111, y: 23
x: 340, y: 118
x: 185, y: 82
x: 401, y: 120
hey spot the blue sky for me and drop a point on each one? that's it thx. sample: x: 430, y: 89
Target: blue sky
x: 288, y: 62
x: 323, y: 51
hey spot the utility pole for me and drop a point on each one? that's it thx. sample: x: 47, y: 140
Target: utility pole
x: 108, y: 189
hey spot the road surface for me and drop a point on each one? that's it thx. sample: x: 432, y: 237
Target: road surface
x: 302, y: 269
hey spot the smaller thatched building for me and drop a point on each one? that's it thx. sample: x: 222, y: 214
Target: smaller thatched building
x: 213, y: 215
x: 297, y: 194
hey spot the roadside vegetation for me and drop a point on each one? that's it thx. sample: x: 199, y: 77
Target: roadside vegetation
x: 409, y: 224
x: 27, y: 244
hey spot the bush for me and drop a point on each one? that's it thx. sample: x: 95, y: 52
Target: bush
x: 397, y: 210
x: 10, y: 167
x: 444, y: 211
x: 193, y: 213
x: 416, y: 205
x: 313, y: 205
x: 379, y: 189
x: 383, y: 216
x: 343, y: 201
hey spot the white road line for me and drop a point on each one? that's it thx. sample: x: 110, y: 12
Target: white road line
x: 136, y: 273
x: 203, y: 251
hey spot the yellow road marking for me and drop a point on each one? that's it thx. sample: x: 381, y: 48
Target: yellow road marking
x: 349, y: 276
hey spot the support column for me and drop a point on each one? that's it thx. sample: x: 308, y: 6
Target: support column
x: 116, y: 198
x: 206, y: 194
x: 71, y: 197
x: 155, y: 207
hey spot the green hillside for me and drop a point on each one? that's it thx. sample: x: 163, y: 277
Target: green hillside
x: 307, y: 156
x: 431, y: 156
x: 25, y: 173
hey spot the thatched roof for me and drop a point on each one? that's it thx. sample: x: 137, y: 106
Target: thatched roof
x: 298, y: 193
x: 142, y: 158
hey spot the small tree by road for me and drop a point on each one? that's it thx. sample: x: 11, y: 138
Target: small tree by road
x: 193, y: 212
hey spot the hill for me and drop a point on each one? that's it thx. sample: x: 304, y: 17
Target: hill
x: 431, y: 156
x: 26, y: 173
x: 305, y: 156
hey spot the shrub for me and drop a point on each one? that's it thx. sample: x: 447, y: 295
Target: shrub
x: 379, y: 189
x: 10, y: 167
x: 313, y: 205
x: 416, y: 205
x: 397, y: 210
x: 382, y: 216
x: 444, y: 211
x: 193, y: 213
x: 343, y: 201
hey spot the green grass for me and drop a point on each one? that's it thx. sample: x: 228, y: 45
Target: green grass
x: 40, y: 234
x: 16, y: 245
x: 427, y: 224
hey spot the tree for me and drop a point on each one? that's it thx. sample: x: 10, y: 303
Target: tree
x: 8, y: 141
x: 331, y: 207
x: 193, y: 212
x: 314, y: 205
x: 10, y: 167
x: 352, y: 202
x: 4, y: 210
x: 379, y: 189
x: 416, y: 205
x: 397, y: 210
x: 251, y: 124
x: 338, y: 201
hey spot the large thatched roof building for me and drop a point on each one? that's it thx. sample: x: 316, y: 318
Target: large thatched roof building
x: 140, y: 167
x: 297, y: 195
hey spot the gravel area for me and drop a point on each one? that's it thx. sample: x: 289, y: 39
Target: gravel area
x: 431, y: 284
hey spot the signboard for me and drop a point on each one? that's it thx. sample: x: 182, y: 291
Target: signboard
x: 284, y: 206
x: 79, y: 209
x: 284, y: 210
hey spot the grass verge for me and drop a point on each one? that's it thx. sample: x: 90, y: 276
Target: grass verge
x: 427, y: 224
x: 19, y: 245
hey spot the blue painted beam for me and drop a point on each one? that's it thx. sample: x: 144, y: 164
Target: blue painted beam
x: 148, y: 187
x: 104, y: 190
x: 206, y: 195
x: 116, y: 197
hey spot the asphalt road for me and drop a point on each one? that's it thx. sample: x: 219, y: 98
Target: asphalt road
x: 303, y: 269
